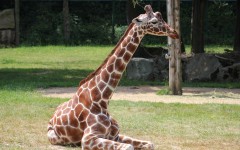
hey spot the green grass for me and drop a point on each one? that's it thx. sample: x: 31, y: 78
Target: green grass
x: 52, y: 66
x: 207, y: 48
x: 53, y: 57
x: 25, y: 114
x: 164, y: 91
x: 211, y: 48
x: 168, y: 124
x: 48, y: 66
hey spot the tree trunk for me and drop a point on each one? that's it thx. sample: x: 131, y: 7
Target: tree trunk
x: 66, y: 22
x: 198, y: 14
x: 236, y: 47
x: 17, y: 20
x: 175, y: 65
x: 113, y: 21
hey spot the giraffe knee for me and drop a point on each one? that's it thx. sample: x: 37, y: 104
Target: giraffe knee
x: 52, y: 137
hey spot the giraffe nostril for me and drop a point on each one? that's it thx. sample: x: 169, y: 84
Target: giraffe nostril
x: 173, y: 34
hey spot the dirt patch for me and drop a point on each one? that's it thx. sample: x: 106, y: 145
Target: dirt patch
x: 148, y: 93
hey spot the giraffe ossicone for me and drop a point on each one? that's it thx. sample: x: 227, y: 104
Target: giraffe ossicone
x: 84, y: 119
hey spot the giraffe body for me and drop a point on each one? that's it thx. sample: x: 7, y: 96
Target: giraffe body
x: 84, y: 119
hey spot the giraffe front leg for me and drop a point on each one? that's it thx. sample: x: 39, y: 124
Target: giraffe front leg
x: 93, y: 142
x: 137, y: 144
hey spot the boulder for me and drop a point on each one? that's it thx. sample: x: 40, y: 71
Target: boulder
x: 7, y: 36
x: 140, y: 68
x: 160, y: 68
x: 229, y: 73
x: 7, y: 19
x: 202, y: 67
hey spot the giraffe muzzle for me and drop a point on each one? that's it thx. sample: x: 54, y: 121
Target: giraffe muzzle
x: 173, y: 34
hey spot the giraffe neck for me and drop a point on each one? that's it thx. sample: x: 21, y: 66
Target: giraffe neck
x: 104, y: 80
x: 114, y: 67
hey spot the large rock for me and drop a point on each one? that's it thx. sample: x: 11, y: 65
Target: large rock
x: 7, y: 19
x: 229, y: 73
x: 161, y: 69
x: 202, y: 67
x: 140, y: 68
x: 7, y: 36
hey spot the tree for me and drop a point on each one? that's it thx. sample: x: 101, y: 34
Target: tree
x: 236, y: 47
x: 198, y: 14
x: 175, y: 66
x: 17, y: 20
x: 132, y: 10
x: 66, y: 22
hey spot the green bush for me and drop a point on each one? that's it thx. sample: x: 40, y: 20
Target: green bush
x: 98, y: 32
x: 40, y: 24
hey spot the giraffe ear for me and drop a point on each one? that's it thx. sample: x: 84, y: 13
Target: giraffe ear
x: 159, y: 15
x: 149, y: 11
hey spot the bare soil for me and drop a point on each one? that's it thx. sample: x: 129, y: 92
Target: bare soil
x: 148, y: 94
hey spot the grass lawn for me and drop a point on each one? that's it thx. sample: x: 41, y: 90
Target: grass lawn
x: 60, y: 66
x: 25, y: 113
x: 24, y: 116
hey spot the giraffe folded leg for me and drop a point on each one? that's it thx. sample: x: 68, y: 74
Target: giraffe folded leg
x: 53, y: 138
x: 92, y: 142
x: 137, y: 144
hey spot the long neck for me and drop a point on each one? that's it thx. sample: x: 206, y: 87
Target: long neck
x: 105, y: 79
x: 112, y: 70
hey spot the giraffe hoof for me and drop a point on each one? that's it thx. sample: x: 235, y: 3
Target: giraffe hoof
x: 127, y: 147
x: 148, y: 146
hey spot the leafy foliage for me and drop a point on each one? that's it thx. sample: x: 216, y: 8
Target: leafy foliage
x: 220, y: 23
x: 92, y: 22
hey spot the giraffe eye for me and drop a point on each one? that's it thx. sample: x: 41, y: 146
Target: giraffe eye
x: 154, y: 22
x: 138, y: 20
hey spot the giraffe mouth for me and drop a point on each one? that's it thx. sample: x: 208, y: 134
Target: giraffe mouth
x: 173, y: 35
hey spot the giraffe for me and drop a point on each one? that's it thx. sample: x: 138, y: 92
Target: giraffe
x: 84, y: 120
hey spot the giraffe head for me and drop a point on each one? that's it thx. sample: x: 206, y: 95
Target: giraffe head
x: 153, y: 23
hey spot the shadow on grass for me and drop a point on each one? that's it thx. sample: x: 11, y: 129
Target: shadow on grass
x: 29, y: 79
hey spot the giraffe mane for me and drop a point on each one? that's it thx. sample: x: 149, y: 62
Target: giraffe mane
x: 99, y: 68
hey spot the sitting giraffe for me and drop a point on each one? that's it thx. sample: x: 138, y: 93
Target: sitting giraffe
x: 84, y: 120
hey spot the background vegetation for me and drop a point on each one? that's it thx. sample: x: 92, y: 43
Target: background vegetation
x: 41, y: 23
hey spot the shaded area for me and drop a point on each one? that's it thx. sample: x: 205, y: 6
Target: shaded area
x: 36, y: 78
x: 29, y: 79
